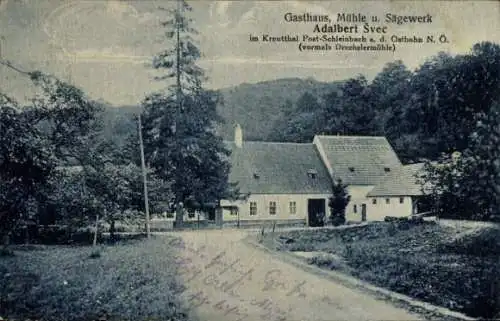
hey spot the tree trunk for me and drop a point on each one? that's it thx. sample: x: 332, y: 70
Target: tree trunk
x: 112, y: 232
x: 179, y: 215
x: 6, y: 240
x: 95, y: 231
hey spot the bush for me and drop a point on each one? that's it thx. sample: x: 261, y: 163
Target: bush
x: 391, y: 229
x: 95, y: 254
x: 484, y: 243
x: 6, y: 252
x: 325, y: 261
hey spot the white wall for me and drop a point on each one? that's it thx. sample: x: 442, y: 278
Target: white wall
x: 186, y: 216
x: 358, y: 197
x: 282, y: 206
x: 378, y: 211
x: 395, y: 208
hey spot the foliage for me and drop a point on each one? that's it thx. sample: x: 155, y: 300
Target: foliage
x: 465, y: 185
x: 352, y: 112
x: 424, y: 113
x: 42, y: 141
x: 301, y: 122
x: 181, y: 144
x: 26, y: 162
x: 338, y: 202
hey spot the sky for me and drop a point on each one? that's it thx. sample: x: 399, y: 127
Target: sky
x: 104, y: 47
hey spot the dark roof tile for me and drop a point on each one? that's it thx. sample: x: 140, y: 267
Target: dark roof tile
x: 359, y: 160
x: 281, y: 168
x: 401, y: 182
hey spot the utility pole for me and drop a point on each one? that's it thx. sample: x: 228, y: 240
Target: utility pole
x: 1, y: 39
x: 144, y: 177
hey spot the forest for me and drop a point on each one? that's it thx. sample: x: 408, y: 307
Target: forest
x: 445, y: 113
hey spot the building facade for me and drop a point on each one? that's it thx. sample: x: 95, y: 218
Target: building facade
x: 292, y: 182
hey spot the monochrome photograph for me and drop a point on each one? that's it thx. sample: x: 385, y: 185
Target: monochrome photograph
x: 286, y: 160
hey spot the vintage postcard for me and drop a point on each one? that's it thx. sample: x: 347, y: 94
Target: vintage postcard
x: 286, y: 160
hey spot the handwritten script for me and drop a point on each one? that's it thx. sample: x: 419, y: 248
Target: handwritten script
x: 216, y: 280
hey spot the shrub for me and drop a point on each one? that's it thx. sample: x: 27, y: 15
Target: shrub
x: 95, y: 254
x: 391, y: 229
x: 6, y: 252
x: 325, y: 261
x: 484, y: 243
x: 338, y: 203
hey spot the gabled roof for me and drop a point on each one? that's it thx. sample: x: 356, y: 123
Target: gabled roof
x: 401, y: 182
x: 358, y: 160
x: 278, y: 168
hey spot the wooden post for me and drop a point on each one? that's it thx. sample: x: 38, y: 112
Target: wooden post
x: 95, y: 231
x: 144, y: 178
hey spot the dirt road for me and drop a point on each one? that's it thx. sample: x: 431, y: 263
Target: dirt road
x: 228, y: 280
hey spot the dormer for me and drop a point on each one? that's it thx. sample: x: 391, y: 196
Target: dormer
x: 312, y: 173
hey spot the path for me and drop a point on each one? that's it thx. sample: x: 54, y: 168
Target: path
x: 228, y: 280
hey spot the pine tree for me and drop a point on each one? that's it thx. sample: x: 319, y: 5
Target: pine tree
x: 179, y: 123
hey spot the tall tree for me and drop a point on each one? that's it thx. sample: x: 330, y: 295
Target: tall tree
x: 448, y: 95
x: 34, y: 139
x: 303, y: 122
x: 180, y: 140
x: 26, y: 163
x: 466, y: 185
x: 352, y: 111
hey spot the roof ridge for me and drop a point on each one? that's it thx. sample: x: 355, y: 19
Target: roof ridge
x: 351, y: 136
x: 267, y: 142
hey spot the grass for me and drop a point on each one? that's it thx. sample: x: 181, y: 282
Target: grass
x: 132, y: 281
x: 426, y: 261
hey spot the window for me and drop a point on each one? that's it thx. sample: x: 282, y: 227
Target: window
x: 387, y: 169
x: 351, y: 169
x: 253, y: 208
x: 272, y: 208
x: 374, y: 201
x: 234, y: 211
x: 293, y: 208
x: 355, y: 208
x: 256, y: 175
x: 401, y: 200
x: 312, y: 173
x: 387, y: 201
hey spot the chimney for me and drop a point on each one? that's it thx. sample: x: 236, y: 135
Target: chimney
x: 238, y: 136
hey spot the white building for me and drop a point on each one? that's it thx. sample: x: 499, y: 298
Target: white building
x: 398, y: 194
x: 282, y: 182
x: 361, y: 162
x: 291, y: 182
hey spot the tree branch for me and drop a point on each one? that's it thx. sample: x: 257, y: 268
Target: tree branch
x: 8, y: 64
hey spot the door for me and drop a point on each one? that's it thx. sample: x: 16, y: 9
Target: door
x: 363, y: 212
x: 316, y: 211
x: 211, y: 214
